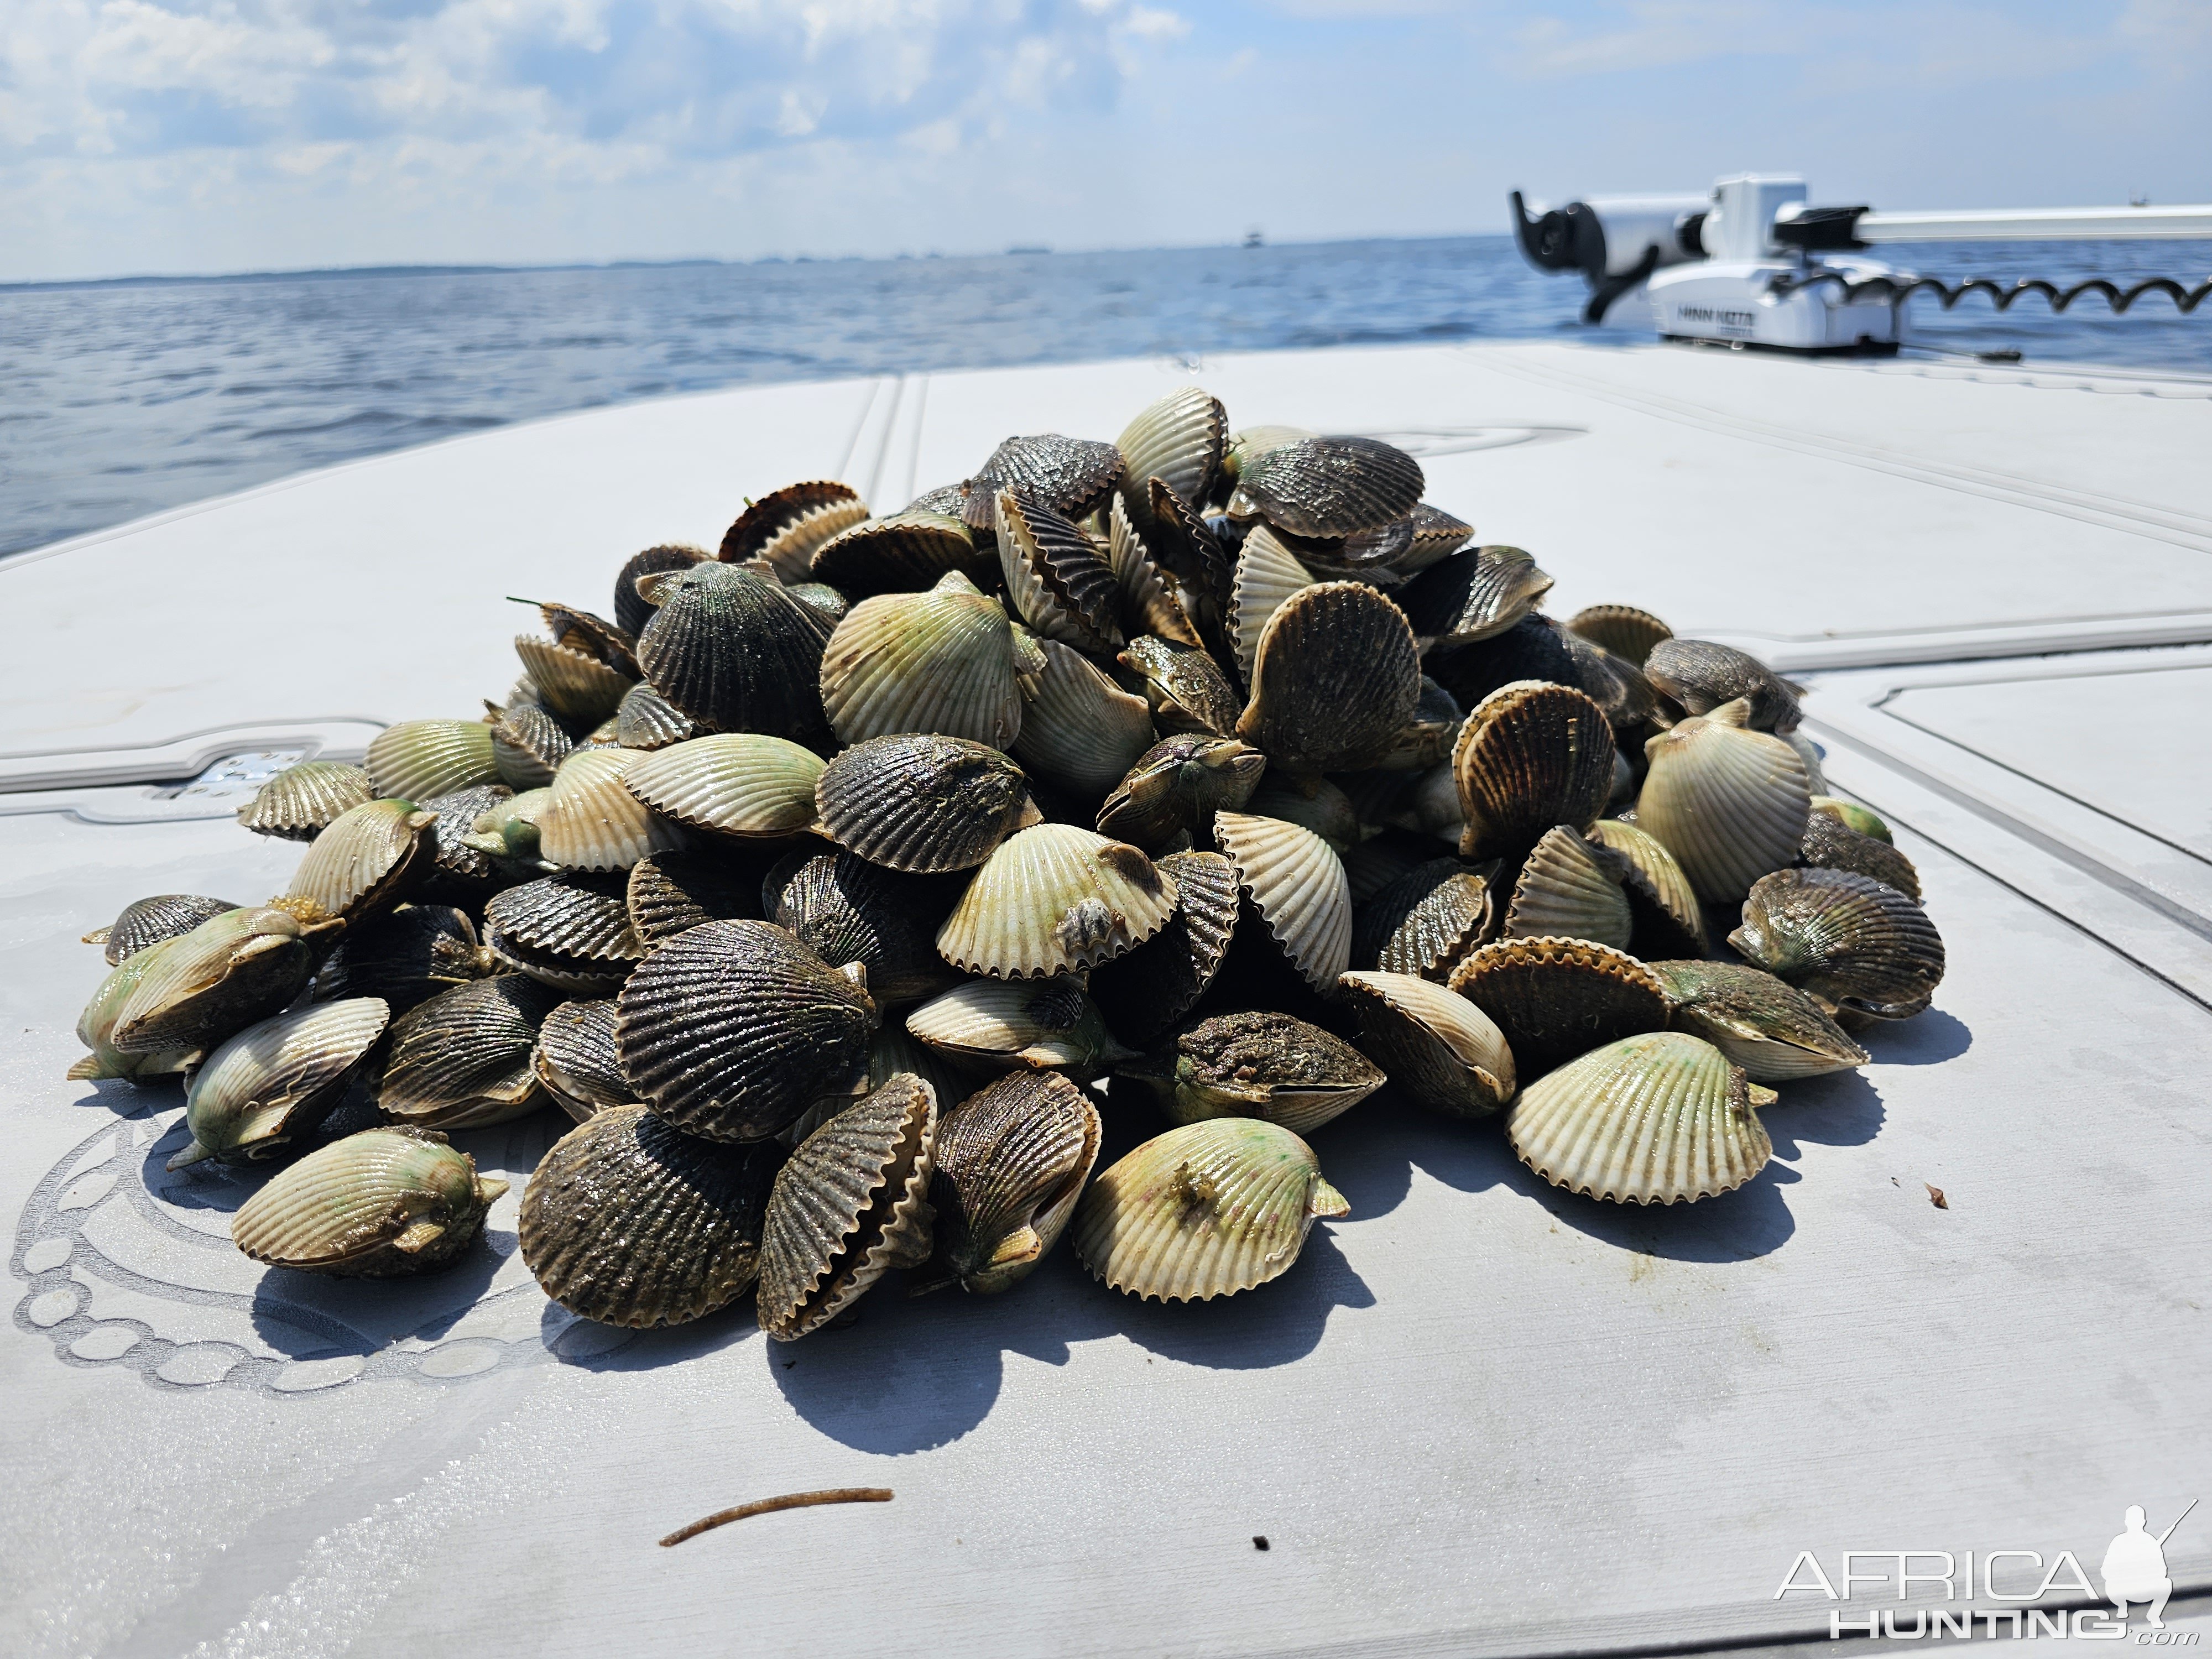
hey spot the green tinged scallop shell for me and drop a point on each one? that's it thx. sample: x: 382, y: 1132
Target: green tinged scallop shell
x: 1557, y: 997
x: 849, y: 1205
x: 1830, y: 844
x: 1266, y: 576
x: 1147, y: 990
x: 1703, y: 677
x: 1184, y: 685
x: 1475, y: 594
x: 208, y: 984
x: 461, y: 1059
x: 995, y: 1024
x: 846, y: 909
x: 1010, y: 1161
x: 1669, y: 921
x: 919, y: 802
x: 1177, y: 786
x: 1080, y: 730
x: 737, y: 783
x: 377, y: 1205
x: 1439, y: 1048
x: 576, y: 1060
x: 788, y: 526
x: 1570, y: 888
x: 941, y: 661
x: 1729, y: 803
x: 1628, y: 633
x: 1052, y: 899
x: 592, y: 822
x: 1179, y: 439
x: 730, y: 1029
x: 276, y: 1080
x: 147, y: 922
x: 1257, y: 1065
x: 96, y: 1024
x: 1852, y: 815
x: 1662, y: 1118
x: 508, y: 831
x: 629, y: 1221
x: 571, y: 931
x: 1427, y: 920
x: 300, y: 800
x: 1855, y: 942
x: 572, y: 684
x: 1335, y: 678
x: 1296, y: 881
x: 1531, y: 754
x: 1057, y: 577
x: 1203, y: 1210
x: 367, y: 859
x: 416, y: 759
x: 1774, y: 1031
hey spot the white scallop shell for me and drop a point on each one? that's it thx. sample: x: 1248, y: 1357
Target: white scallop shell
x: 1298, y: 883
x: 1053, y: 898
x: 592, y: 822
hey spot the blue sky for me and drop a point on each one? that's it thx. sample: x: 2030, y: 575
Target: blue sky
x: 227, y: 135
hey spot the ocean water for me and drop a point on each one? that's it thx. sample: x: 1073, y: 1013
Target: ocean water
x: 119, y: 400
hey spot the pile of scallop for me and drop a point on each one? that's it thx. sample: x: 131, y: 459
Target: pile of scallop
x: 847, y: 886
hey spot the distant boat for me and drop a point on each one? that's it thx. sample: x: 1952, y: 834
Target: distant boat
x: 1254, y: 239
x: 1039, y: 249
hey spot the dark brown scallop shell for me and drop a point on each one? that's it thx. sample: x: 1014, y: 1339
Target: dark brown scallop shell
x: 1176, y: 786
x: 1701, y: 676
x: 577, y: 1060
x: 1855, y: 943
x: 1336, y: 678
x: 1628, y: 633
x: 786, y: 526
x: 732, y: 1029
x: 1475, y: 594
x: 1530, y: 756
x: 461, y: 1059
x: 295, y: 804
x: 632, y: 609
x: 147, y: 922
x: 1533, y: 648
x: 1328, y: 487
x: 671, y: 892
x: 1057, y: 577
x: 629, y: 1221
x: 846, y: 909
x: 1010, y: 1161
x: 905, y: 553
x: 1557, y: 997
x: 571, y: 930
x: 736, y: 652
x: 1427, y: 922
x: 920, y: 802
x: 463, y: 872
x: 1144, y: 992
x: 1186, y: 688
x: 1830, y: 844
x: 1071, y: 476
x: 405, y: 956
x: 1187, y: 546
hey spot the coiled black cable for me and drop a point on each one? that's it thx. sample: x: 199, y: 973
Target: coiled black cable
x: 2185, y: 300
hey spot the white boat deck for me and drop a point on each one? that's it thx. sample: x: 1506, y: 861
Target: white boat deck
x: 1480, y: 1416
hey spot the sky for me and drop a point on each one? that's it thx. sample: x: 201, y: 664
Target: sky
x: 199, y: 135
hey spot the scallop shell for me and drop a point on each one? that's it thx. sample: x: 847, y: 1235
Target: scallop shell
x: 576, y: 1061
x: 919, y: 802
x: 1703, y: 676
x: 1146, y: 991
x: 998, y: 1025
x: 731, y: 1028
x: 276, y: 1080
x: 1830, y: 844
x: 1053, y: 898
x: 941, y: 661
x: 737, y: 783
x: 208, y: 984
x: 416, y: 759
x: 377, y: 1205
x: 509, y: 831
x: 1149, y: 603
x: 571, y: 931
x: 1249, y: 443
x: 1442, y: 1051
x: 671, y: 892
x: 300, y: 800
x: 1855, y: 942
x: 1203, y: 1210
x: 1476, y: 593
x: 1328, y: 486
x: 527, y: 744
x: 1427, y: 922
x: 1668, y: 919
x: 849, y: 1205
x: 1531, y: 754
x: 1335, y: 678
x: 405, y: 956
x: 629, y: 1221
x: 595, y: 636
x: 1570, y: 889
x: 646, y: 720
x: 788, y: 526
x: 1081, y: 730
x: 593, y: 822
x: 1259, y: 1064
x: 462, y: 868
x: 1266, y: 576
x: 1308, y: 801
x: 1187, y: 546
x: 1615, y: 685
x: 905, y: 553
x: 1436, y: 536
x: 1070, y: 475
x: 734, y: 652
x: 1057, y: 576
x: 1730, y: 804
x: 1557, y: 997
x: 574, y: 684
x: 1297, y: 882
x: 1177, y: 786
x: 1774, y: 1031
x: 1184, y: 685
x: 1010, y: 1162
x: 1662, y: 1118
x: 367, y: 859
x: 1628, y: 633
x: 632, y: 609
x: 96, y: 1024
x: 846, y: 909
x: 147, y: 922
x: 461, y: 1060
x: 1852, y: 815
x: 1425, y: 740
x: 1180, y: 440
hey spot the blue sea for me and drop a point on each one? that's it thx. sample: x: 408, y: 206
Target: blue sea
x: 122, y: 398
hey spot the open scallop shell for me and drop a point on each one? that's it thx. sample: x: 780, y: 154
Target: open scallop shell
x: 1668, y: 919
x: 941, y: 661
x: 1180, y: 439
x: 416, y: 759
x: 1475, y: 594
x: 1427, y: 920
x: 850, y: 1205
x: 1080, y: 730
x: 632, y: 609
x: 669, y: 892
x: 903, y: 553
x: 730, y: 1029
x: 1628, y: 633
x: 1010, y: 1162
x: 996, y: 1025
x: 1266, y: 576
x: 787, y: 526
x: 1149, y: 600
x: 1206, y: 1209
x: 1442, y: 1051
x: 571, y: 931
x: 1662, y: 1118
x: 1335, y: 678
x: 367, y: 859
x: 1729, y: 803
x: 1557, y: 997
x: 1703, y: 677
x: 733, y: 651
x: 1570, y: 888
x: 1327, y: 487
x: 1186, y: 688
x: 1057, y: 576
x: 1297, y: 882
x: 298, y: 801
x: 1146, y: 991
x: 207, y: 984
x: 1530, y: 756
x: 1052, y: 899
x: 461, y: 1060
x: 919, y: 802
x: 146, y: 922
x: 576, y: 1060
x: 96, y: 1024
x: 1773, y: 1030
x: 846, y: 909
x: 574, y: 684
x: 405, y: 957
x: 276, y: 1080
x: 736, y: 783
x: 629, y: 1221
x: 1176, y: 786
x: 1257, y: 1064
x: 377, y: 1205
x: 1857, y: 943
x: 593, y: 822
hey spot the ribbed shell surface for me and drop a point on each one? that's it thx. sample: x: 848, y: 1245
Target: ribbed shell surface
x: 1335, y: 679
x: 1557, y: 998
x: 1424, y: 923
x: 1185, y: 686
x: 1657, y: 1119
x: 592, y: 822
x: 905, y: 552
x: 1206, y: 1209
x: 1057, y: 577
x: 1437, y: 534
x: 301, y: 799
x: 1053, y: 898
x: 920, y: 802
x: 846, y: 909
x: 1703, y: 676
x: 1730, y: 804
x: 646, y: 720
x: 1668, y: 917
x: 1773, y: 1030
x: 669, y: 892
x: 1010, y: 1162
x: 1531, y: 754
x: 366, y: 859
x: 1628, y: 633
x: 527, y: 745
x: 462, y: 867
x: 1297, y: 882
x: 1146, y: 991
x: 632, y: 611
x: 941, y: 661
x: 574, y: 684
x: 339, y: 1209
x: 733, y: 651
x: 253, y: 1088
x: 1830, y: 844
x: 231, y: 970
x: 1149, y: 603
x: 999, y: 1025
x: 850, y: 1204
x: 565, y: 930
x: 96, y: 1024
x: 147, y: 922
x: 737, y: 783
x: 1180, y: 438
x: 462, y: 1059
x: 629, y: 1221
x: 405, y: 957
x: 1266, y: 576
x: 1264, y: 1065
x: 577, y: 1060
x: 1080, y: 730
x: 1475, y: 594
x: 731, y: 1028
x: 1070, y: 475
x: 1328, y: 486
x: 1837, y: 934
x: 416, y: 759
x: 1569, y: 890
x: 787, y: 526
x: 1175, y: 786
x: 1440, y: 1049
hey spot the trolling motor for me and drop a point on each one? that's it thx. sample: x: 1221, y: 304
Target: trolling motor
x: 1753, y: 265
